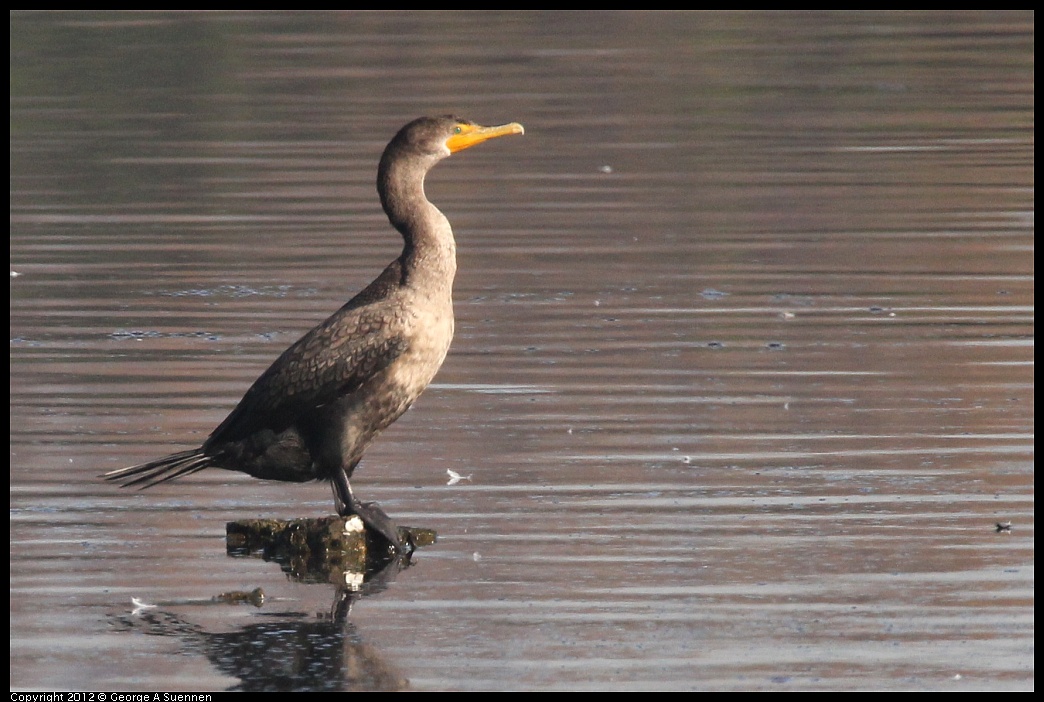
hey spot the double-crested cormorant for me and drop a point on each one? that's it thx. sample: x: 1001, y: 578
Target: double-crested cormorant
x: 313, y: 413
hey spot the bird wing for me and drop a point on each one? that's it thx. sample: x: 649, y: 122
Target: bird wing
x: 329, y: 362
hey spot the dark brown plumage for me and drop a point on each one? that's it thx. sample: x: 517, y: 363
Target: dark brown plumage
x: 312, y: 414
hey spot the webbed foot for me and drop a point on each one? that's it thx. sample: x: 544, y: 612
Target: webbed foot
x: 372, y: 515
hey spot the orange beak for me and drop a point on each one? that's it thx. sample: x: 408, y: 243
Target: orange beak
x: 467, y: 135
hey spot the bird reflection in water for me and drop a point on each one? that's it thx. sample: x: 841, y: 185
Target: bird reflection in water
x: 289, y: 651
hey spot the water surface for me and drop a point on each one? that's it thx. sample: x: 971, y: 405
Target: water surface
x: 743, y: 373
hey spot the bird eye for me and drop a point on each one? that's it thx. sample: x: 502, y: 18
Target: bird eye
x: 457, y: 130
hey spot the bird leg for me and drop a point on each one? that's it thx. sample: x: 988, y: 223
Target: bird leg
x: 370, y: 512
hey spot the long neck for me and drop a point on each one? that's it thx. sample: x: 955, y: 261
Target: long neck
x: 429, y: 256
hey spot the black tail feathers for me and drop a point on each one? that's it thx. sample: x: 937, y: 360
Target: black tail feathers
x: 162, y: 469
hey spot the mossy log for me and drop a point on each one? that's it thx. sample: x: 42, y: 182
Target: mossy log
x: 320, y: 548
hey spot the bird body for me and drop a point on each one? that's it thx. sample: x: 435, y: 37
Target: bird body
x: 313, y: 413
